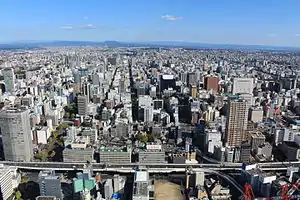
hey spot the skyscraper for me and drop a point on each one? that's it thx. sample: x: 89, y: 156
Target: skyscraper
x: 82, y: 102
x: 16, y: 134
x: 192, y: 78
x: 236, y: 124
x: 9, y: 79
x: 50, y: 184
x: 6, y: 186
x: 242, y: 85
x: 122, y: 88
x: 193, y: 90
x: 211, y: 83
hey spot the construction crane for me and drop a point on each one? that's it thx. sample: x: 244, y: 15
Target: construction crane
x: 248, y: 192
x: 286, y: 193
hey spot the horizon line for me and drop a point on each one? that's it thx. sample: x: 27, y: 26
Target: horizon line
x: 179, y: 43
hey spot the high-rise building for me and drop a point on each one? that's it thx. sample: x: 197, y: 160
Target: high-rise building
x: 148, y: 114
x: 50, y: 184
x: 82, y: 102
x: 166, y: 82
x: 236, y: 125
x: 242, y: 85
x: 141, y: 186
x: 16, y: 134
x: 192, y: 78
x: 9, y: 79
x: 211, y: 83
x: 158, y: 104
x: 96, y: 79
x: 108, y: 188
x: 122, y: 88
x: 193, y: 90
x: 245, y: 152
x: 6, y: 187
x: 184, y: 77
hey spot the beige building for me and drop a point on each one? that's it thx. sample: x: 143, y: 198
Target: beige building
x: 236, y: 125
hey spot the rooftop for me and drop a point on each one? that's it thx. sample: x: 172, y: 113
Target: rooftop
x: 141, y: 176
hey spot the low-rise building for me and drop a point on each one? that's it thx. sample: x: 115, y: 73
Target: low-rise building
x: 114, y: 156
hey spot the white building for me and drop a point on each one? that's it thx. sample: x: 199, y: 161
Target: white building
x: 242, y: 85
x: 212, y: 138
x: 6, y: 187
x: 16, y: 134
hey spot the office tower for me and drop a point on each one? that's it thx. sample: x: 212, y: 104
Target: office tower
x: 50, y: 184
x: 236, y: 124
x: 122, y: 88
x: 248, y: 97
x: 9, y: 79
x: 85, y: 89
x: 82, y: 102
x: 256, y: 114
x: 95, y: 79
x: 166, y: 82
x: 193, y: 90
x: 211, y: 83
x: 119, y: 183
x: 112, y: 60
x: 114, y: 156
x: 108, y: 189
x: 257, y: 139
x: 83, y: 72
x: 242, y: 85
x: 245, y: 152
x: 192, y: 78
x: 122, y: 129
x: 158, y: 104
x: 141, y: 89
x: 152, y: 91
x: 16, y: 134
x: 76, y: 75
x: 6, y: 187
x: 140, y: 186
x: 148, y: 114
x: 184, y: 77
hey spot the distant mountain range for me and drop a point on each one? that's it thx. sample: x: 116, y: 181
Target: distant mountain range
x: 40, y: 44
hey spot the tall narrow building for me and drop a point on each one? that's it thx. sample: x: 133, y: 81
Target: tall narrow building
x: 236, y: 124
x: 16, y: 134
x: 9, y: 79
x: 82, y: 102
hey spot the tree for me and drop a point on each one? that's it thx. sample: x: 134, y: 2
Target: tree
x: 142, y: 138
x: 67, y: 115
x: 25, y: 179
x: 69, y: 107
x: 18, y: 195
x: 151, y: 137
x: 55, y: 134
x: 42, y: 156
x: 52, y: 154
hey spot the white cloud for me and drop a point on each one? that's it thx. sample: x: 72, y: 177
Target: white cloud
x: 86, y: 17
x: 297, y: 34
x: 171, y: 18
x: 89, y: 26
x: 66, y: 27
x: 272, y: 35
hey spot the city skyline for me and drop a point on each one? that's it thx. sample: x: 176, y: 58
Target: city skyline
x: 215, y: 22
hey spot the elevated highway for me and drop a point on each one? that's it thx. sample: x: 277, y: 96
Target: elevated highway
x: 168, y: 167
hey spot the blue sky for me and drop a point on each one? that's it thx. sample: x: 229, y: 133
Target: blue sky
x: 269, y: 22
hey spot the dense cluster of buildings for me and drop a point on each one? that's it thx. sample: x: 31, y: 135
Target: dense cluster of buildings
x: 153, y: 105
